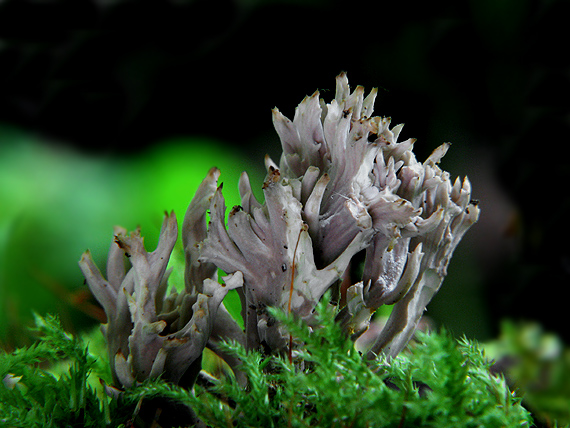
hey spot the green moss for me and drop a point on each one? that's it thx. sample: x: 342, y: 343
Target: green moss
x: 33, y: 397
x: 438, y: 381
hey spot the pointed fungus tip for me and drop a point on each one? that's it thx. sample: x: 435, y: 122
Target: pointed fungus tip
x: 86, y: 254
x: 235, y: 209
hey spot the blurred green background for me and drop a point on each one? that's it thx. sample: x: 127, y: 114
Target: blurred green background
x: 57, y: 202
x: 112, y: 111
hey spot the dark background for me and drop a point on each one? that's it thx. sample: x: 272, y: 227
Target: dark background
x: 493, y: 77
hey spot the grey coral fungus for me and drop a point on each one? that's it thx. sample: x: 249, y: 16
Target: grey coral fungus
x: 149, y: 333
x: 344, y: 185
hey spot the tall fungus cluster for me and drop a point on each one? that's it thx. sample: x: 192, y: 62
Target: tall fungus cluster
x: 344, y: 186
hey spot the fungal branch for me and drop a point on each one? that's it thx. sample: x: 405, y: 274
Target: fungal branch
x: 303, y: 228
